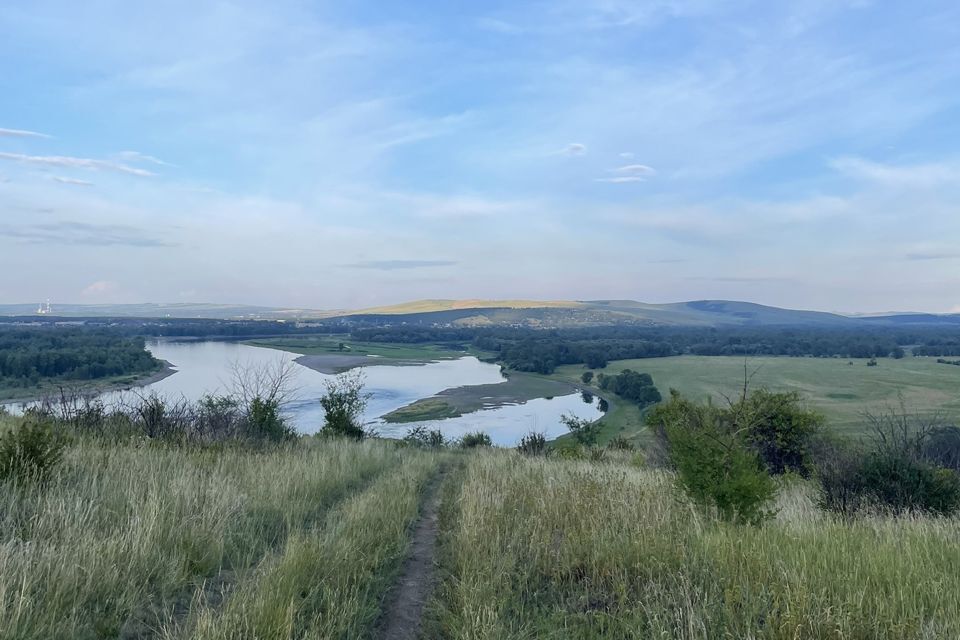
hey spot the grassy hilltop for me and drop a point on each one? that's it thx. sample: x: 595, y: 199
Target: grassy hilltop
x: 138, y: 539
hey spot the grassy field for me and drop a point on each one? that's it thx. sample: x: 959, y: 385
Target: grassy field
x: 839, y: 390
x: 146, y: 540
x: 140, y: 540
x: 536, y: 548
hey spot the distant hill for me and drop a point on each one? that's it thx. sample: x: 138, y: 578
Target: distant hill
x: 530, y: 313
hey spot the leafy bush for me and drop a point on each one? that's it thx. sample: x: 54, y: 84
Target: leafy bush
x: 584, y: 431
x: 942, y: 447
x: 264, y: 422
x: 473, y: 440
x: 619, y: 443
x: 777, y: 427
x: 714, y: 466
x: 343, y: 405
x: 420, y: 436
x: 30, y: 452
x: 902, y: 483
x: 533, y: 444
x: 895, y: 472
x: 587, y: 377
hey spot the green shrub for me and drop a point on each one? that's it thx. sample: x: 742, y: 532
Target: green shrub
x: 942, y: 447
x: 533, y: 444
x: 473, y: 440
x: 264, y: 422
x: 902, y: 483
x: 343, y: 406
x: 714, y: 466
x: 420, y: 436
x: 619, y: 443
x: 568, y: 450
x: 584, y: 431
x: 30, y: 451
x: 587, y: 377
x: 777, y: 427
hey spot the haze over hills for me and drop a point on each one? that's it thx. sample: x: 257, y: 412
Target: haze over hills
x: 475, y: 312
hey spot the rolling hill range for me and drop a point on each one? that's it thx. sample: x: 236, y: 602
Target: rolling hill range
x: 532, y: 313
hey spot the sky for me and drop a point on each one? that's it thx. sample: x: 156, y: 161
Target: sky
x: 335, y: 155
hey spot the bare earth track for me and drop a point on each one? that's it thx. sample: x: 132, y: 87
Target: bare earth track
x: 402, y: 614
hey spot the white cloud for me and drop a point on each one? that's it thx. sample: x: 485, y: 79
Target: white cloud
x: 626, y: 155
x: 621, y: 179
x: 636, y: 170
x: 98, y: 288
x: 574, y: 149
x: 76, y: 163
x: 20, y: 133
x: 918, y: 175
x: 136, y: 156
x: 73, y: 181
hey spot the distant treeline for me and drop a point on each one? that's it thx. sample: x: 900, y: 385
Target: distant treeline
x: 542, y: 351
x: 28, y: 356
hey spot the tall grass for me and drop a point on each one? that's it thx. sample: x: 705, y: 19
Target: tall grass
x: 539, y: 548
x: 124, y: 537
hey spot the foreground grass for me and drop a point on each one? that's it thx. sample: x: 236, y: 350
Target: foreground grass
x: 144, y: 540
x: 841, y: 391
x: 551, y: 549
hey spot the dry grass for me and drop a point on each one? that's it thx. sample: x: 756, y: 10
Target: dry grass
x: 550, y: 549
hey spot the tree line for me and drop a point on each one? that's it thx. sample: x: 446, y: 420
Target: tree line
x: 28, y: 356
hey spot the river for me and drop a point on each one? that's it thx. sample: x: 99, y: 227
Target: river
x: 204, y: 367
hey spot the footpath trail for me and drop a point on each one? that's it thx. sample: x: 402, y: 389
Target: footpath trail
x: 402, y: 615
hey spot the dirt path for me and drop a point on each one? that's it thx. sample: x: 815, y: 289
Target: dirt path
x: 403, y: 608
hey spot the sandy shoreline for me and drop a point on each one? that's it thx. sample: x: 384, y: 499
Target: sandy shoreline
x: 336, y: 363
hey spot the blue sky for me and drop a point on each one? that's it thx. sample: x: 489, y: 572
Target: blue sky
x: 341, y: 155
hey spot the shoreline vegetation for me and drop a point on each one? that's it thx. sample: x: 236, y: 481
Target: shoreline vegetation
x: 13, y: 396
x: 458, y: 401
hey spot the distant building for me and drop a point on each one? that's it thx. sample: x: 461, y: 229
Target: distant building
x: 44, y: 308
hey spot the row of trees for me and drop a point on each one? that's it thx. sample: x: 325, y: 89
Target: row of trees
x: 28, y: 356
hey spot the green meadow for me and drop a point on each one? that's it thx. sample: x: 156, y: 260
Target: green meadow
x: 842, y: 390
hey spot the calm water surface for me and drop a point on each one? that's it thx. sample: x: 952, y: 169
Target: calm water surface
x: 206, y: 367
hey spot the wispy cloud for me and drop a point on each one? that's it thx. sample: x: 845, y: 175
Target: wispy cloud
x: 393, y: 265
x: 68, y: 162
x: 621, y: 179
x: 73, y: 181
x: 83, y: 233
x: 933, y: 255
x: 136, y: 156
x: 574, y: 149
x: 21, y: 133
x: 98, y: 288
x: 917, y: 175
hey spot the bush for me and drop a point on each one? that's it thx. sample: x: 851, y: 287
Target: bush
x: 778, y: 428
x: 30, y: 452
x: 902, y: 483
x: 942, y: 447
x: 473, y: 440
x: 420, y: 436
x: 533, y: 444
x: 264, y: 422
x: 837, y: 468
x: 343, y: 406
x: 584, y: 431
x: 714, y: 466
x: 619, y: 443
x: 587, y: 377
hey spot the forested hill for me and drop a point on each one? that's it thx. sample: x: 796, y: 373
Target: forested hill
x: 479, y: 313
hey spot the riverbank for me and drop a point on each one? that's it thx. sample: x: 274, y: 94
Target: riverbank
x: 457, y: 401
x: 106, y: 385
x: 333, y: 364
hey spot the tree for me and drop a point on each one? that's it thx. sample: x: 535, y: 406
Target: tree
x: 584, y: 431
x: 587, y: 377
x: 343, y: 405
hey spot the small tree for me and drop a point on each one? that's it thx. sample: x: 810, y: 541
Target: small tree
x: 420, y: 436
x: 343, y: 406
x: 587, y: 377
x: 584, y: 431
x: 714, y: 466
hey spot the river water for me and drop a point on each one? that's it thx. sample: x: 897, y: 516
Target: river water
x: 206, y: 367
